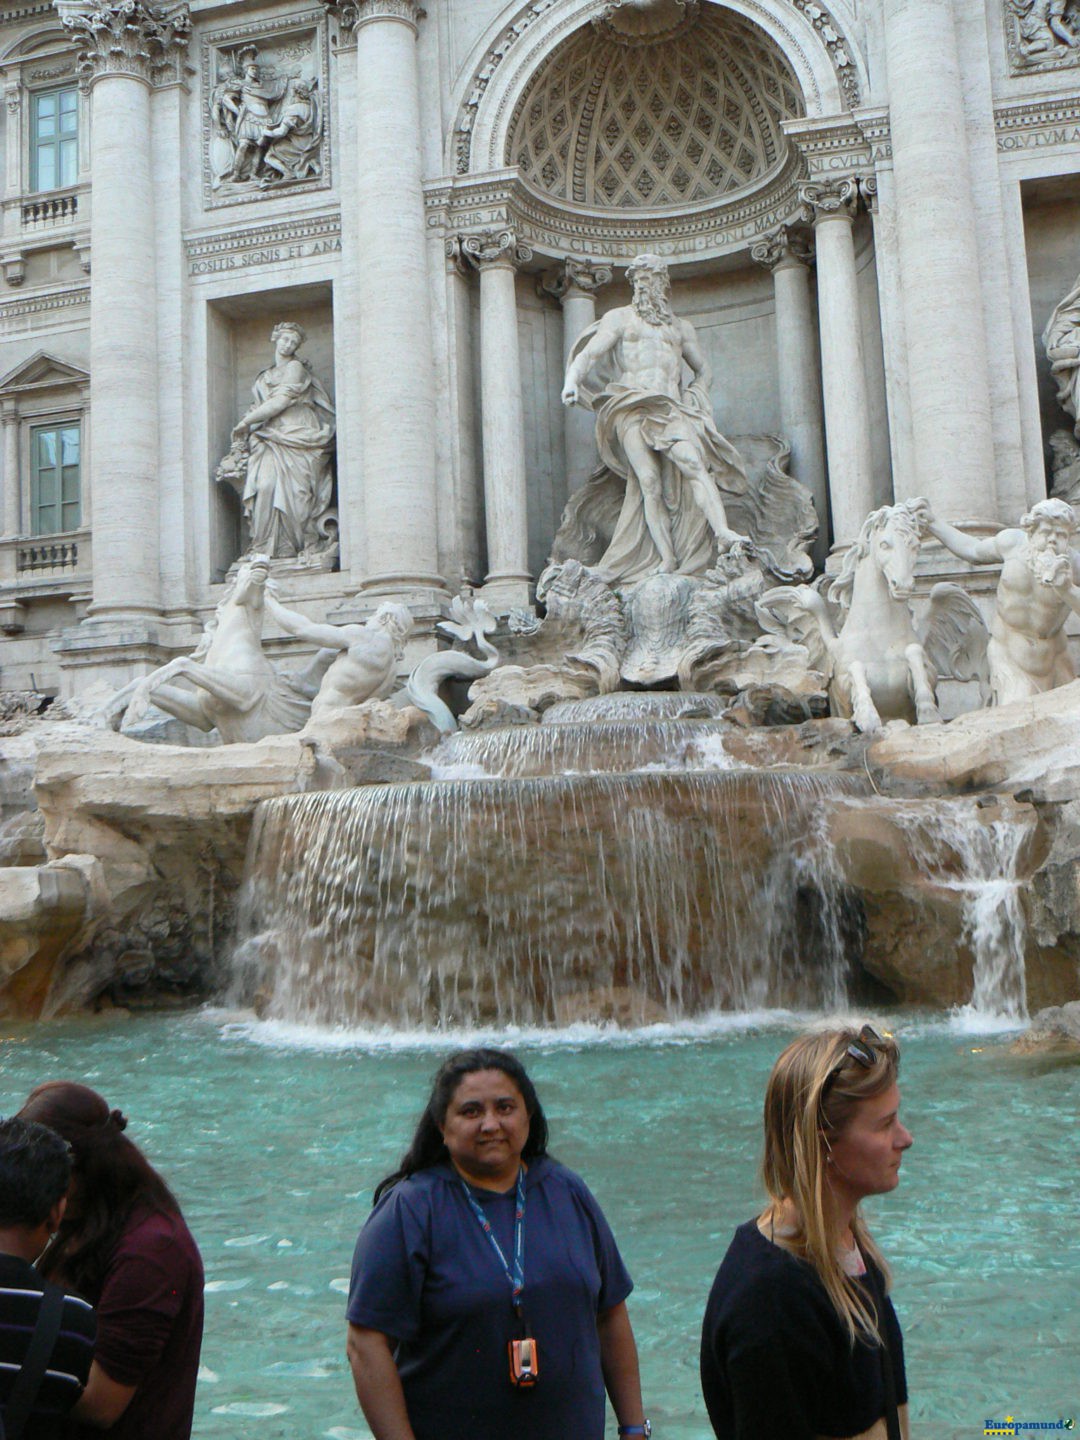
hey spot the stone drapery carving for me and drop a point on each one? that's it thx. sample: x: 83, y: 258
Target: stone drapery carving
x: 127, y: 37
x: 1042, y: 34
x: 1065, y: 467
x: 1061, y: 341
x: 267, y: 122
x: 280, y: 458
x: 1038, y: 589
x: 659, y: 439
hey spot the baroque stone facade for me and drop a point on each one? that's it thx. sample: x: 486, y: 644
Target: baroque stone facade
x: 441, y: 199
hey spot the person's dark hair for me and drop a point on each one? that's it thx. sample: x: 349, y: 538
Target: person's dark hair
x: 427, y: 1146
x: 35, y: 1169
x: 111, y: 1177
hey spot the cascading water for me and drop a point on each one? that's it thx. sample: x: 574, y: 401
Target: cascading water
x: 579, y: 748
x: 545, y: 900
x: 961, y: 847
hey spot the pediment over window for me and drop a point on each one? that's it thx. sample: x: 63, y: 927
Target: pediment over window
x: 42, y: 371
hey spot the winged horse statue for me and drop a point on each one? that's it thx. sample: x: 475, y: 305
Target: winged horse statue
x: 861, y: 633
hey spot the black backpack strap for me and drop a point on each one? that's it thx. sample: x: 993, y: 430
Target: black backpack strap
x: 42, y: 1343
x: 888, y: 1375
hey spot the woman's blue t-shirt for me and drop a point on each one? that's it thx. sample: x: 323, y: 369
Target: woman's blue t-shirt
x: 425, y: 1274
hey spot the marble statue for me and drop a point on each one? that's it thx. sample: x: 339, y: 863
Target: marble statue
x: 1065, y: 467
x: 1061, y: 341
x: 658, y: 437
x: 268, y: 126
x: 355, y: 662
x: 1044, y: 27
x: 227, y: 683
x: 280, y: 457
x: 1039, y: 589
x: 470, y: 620
x: 877, y: 665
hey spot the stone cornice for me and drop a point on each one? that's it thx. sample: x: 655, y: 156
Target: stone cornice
x: 38, y: 304
x: 1040, y: 123
x: 501, y: 199
x: 127, y: 37
x: 838, y: 144
x: 354, y: 14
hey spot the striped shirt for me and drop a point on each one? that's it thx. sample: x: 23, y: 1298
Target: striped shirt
x: 69, y: 1364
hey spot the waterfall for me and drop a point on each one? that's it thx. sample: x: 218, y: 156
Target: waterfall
x: 579, y: 748
x: 959, y: 846
x: 544, y: 900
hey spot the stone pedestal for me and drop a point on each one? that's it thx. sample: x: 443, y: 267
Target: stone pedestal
x: 496, y: 255
x: 397, y: 404
x: 843, y: 363
x: 788, y: 254
x: 949, y: 385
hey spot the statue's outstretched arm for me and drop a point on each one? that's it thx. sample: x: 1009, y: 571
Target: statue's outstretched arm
x: 605, y: 339
x: 330, y: 637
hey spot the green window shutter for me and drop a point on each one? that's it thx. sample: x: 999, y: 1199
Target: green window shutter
x: 55, y: 500
x: 54, y: 139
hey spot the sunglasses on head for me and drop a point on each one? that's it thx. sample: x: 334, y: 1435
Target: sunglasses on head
x: 861, y: 1050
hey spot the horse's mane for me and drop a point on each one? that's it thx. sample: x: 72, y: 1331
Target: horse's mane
x: 211, y: 626
x: 902, y: 515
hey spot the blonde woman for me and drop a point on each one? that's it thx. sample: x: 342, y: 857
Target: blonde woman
x: 800, y: 1339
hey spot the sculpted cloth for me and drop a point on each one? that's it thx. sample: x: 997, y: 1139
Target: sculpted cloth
x: 661, y: 422
x: 289, y: 484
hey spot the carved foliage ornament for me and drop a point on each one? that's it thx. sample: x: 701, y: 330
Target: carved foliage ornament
x: 788, y: 244
x: 581, y: 275
x: 354, y: 13
x: 1042, y: 34
x: 127, y: 37
x: 825, y: 198
x: 495, y: 247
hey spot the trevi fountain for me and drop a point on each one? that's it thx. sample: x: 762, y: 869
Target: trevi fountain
x: 562, y: 525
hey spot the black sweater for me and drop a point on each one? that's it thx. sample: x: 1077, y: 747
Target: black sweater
x: 776, y: 1360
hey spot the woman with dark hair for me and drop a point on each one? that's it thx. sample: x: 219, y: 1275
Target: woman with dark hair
x: 800, y: 1337
x: 488, y: 1297
x: 124, y: 1246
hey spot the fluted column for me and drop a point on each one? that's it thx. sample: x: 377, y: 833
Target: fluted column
x: 12, y: 488
x: 788, y: 254
x: 395, y: 355
x: 128, y: 46
x: 949, y: 383
x: 833, y: 204
x: 496, y: 254
x: 574, y: 284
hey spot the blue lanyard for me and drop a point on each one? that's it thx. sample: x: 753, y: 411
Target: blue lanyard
x: 517, y: 1278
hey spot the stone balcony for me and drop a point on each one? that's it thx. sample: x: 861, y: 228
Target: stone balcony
x: 42, y: 567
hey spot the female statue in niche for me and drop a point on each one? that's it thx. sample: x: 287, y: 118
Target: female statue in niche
x: 281, y: 449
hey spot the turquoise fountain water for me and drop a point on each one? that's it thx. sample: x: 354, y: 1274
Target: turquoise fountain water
x: 274, y: 1138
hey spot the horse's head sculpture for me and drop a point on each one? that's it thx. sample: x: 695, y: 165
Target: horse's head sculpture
x: 890, y: 538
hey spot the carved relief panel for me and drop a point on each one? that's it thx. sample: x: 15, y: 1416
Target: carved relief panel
x: 265, y: 108
x: 1042, y: 34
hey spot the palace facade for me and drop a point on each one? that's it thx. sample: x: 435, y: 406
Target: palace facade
x: 870, y: 210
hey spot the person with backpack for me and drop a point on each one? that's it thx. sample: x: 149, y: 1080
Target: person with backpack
x: 46, y: 1335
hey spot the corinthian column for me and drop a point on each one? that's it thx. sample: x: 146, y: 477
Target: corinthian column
x: 788, y: 254
x: 843, y: 364
x: 128, y: 47
x: 574, y: 285
x: 496, y: 254
x: 949, y: 383
x: 395, y: 358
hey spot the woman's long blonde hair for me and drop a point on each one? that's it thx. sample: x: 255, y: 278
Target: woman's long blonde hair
x: 798, y: 1126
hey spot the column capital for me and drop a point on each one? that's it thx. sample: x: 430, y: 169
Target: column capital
x: 490, y: 249
x: 836, y: 198
x: 127, y: 37
x: 785, y: 247
x: 585, y: 276
x: 353, y: 14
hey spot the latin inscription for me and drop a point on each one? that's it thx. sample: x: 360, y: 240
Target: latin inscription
x: 265, y: 255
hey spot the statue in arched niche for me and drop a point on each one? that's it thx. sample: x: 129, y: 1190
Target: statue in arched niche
x: 280, y: 458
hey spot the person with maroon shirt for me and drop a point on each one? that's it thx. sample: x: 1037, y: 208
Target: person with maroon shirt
x: 123, y: 1245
